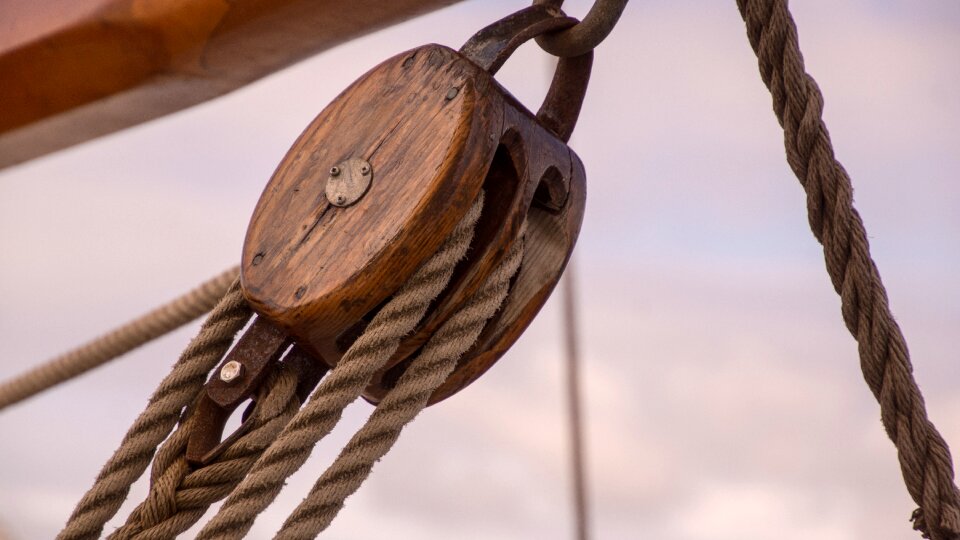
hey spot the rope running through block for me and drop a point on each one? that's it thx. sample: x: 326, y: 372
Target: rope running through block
x: 402, y: 404
x: 341, y: 386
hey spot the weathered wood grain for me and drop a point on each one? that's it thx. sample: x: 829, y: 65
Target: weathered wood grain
x: 435, y: 128
x: 429, y: 135
x: 545, y: 184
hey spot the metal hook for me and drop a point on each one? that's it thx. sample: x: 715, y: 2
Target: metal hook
x: 586, y: 35
x: 492, y: 46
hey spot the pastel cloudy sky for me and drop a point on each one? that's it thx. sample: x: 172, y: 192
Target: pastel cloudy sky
x: 723, y: 395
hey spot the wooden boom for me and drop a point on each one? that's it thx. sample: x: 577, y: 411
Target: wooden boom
x: 74, y: 70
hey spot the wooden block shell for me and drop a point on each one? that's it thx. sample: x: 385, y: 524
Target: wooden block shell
x: 436, y: 129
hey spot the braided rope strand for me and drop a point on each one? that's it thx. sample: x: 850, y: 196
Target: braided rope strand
x: 401, y: 405
x: 925, y: 459
x: 341, y: 386
x: 117, y: 342
x: 175, y: 392
x: 179, y: 495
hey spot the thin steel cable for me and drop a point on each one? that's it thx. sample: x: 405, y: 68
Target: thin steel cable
x: 341, y: 386
x: 574, y: 401
x: 175, y: 392
x: 120, y: 341
x: 401, y: 405
x: 180, y: 495
x: 925, y: 459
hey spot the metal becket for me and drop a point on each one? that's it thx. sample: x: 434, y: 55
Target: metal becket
x: 376, y: 183
x: 238, y: 378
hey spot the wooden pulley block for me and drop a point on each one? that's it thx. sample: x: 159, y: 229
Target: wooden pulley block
x: 379, y: 179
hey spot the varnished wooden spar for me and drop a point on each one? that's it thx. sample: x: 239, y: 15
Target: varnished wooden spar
x: 74, y: 70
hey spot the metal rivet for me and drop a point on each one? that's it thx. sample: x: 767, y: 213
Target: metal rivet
x: 257, y: 259
x: 231, y: 371
x: 452, y: 93
x: 349, y: 180
x: 300, y: 292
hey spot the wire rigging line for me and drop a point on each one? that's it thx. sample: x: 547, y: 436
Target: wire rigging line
x: 571, y: 344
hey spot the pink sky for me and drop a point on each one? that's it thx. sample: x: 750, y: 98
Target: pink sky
x: 723, y: 394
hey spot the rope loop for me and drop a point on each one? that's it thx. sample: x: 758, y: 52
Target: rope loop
x: 585, y: 35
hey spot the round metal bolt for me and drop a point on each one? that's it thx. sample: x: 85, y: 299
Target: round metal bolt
x: 364, y: 169
x: 452, y: 93
x: 231, y: 371
x: 341, y: 199
x: 334, y: 171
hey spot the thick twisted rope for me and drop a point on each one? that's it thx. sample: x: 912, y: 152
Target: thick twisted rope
x: 122, y: 340
x: 924, y: 456
x: 341, y: 386
x: 175, y: 392
x: 401, y: 405
x: 180, y: 495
